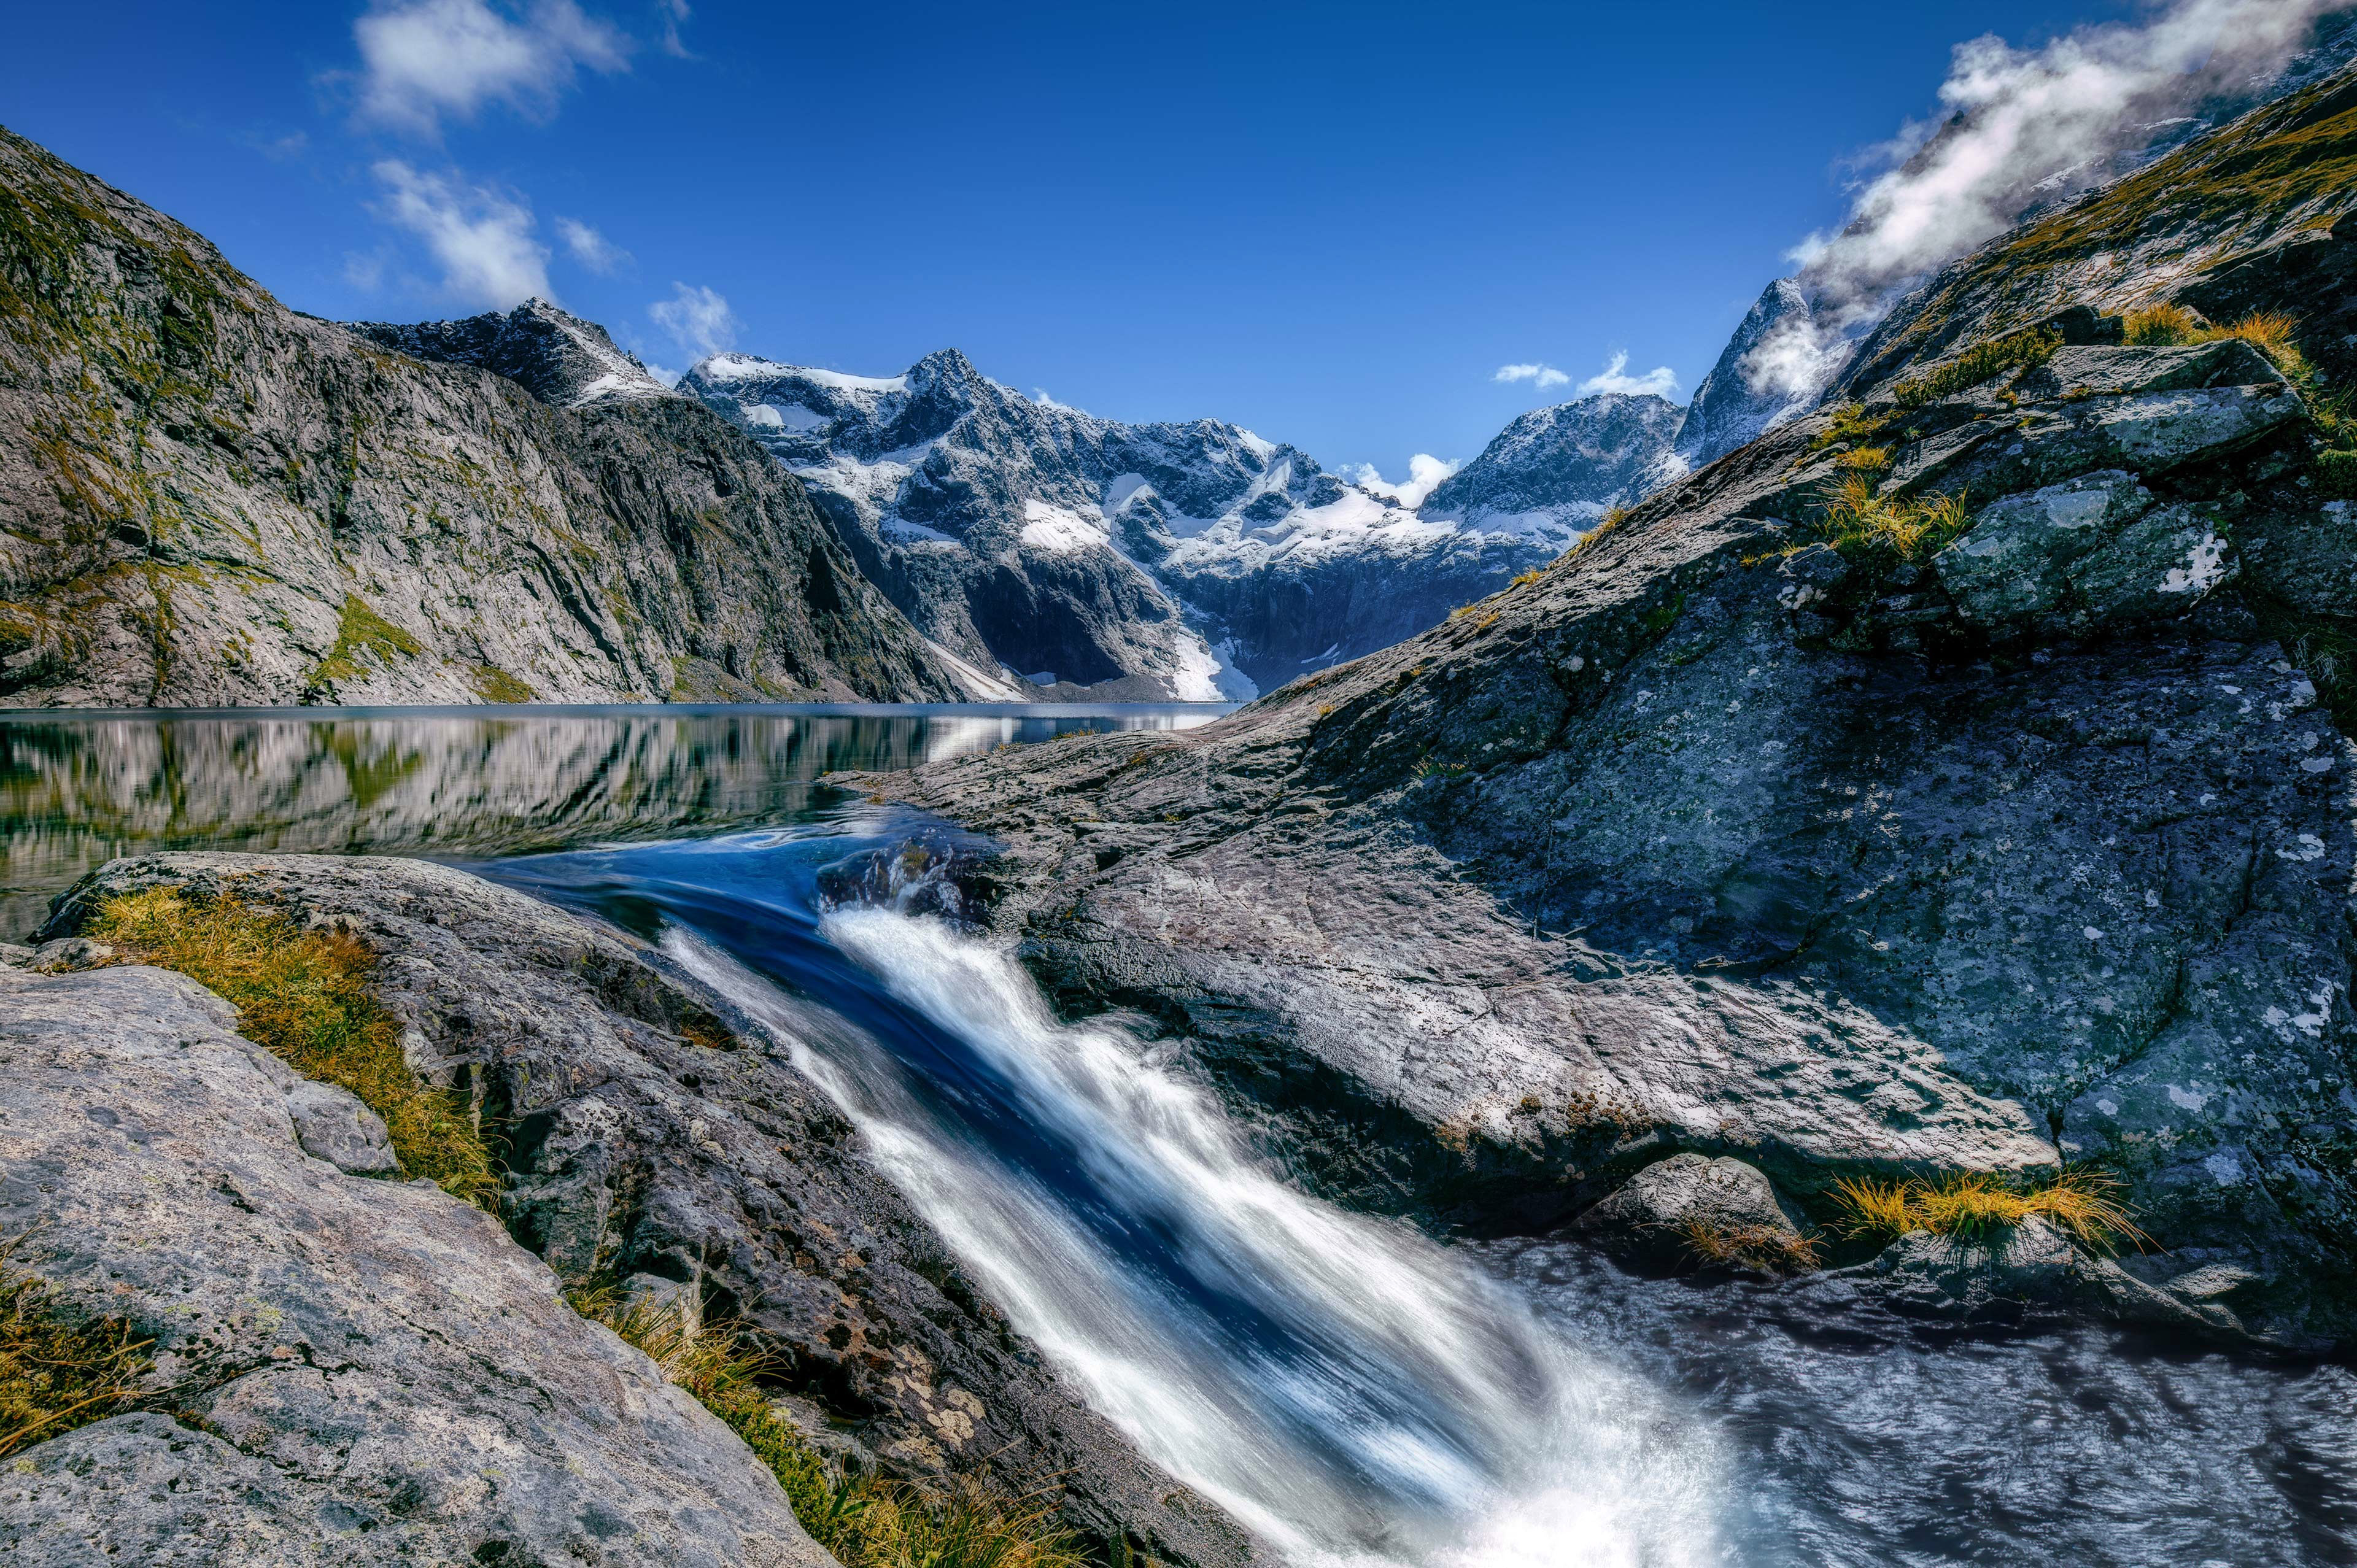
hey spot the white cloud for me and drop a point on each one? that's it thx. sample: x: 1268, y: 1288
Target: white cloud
x: 1659, y: 381
x: 674, y: 12
x: 1039, y: 395
x: 591, y: 248
x: 420, y: 60
x: 698, y: 319
x: 1424, y: 473
x: 1542, y: 375
x: 2019, y: 125
x: 481, y: 237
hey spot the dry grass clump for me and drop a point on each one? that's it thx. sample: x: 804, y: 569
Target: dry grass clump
x: 59, y: 1369
x: 864, y: 1521
x: 1856, y: 521
x: 1973, y: 1204
x: 1981, y: 362
x: 1768, y: 1249
x: 306, y: 996
x: 1864, y: 459
x: 2274, y: 333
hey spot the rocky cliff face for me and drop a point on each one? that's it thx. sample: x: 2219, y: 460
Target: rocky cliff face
x: 211, y: 499
x: 648, y: 1136
x: 2024, y: 847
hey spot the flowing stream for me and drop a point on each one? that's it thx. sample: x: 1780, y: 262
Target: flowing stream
x: 1356, y: 1391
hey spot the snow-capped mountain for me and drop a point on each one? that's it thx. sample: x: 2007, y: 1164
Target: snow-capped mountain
x: 1044, y: 545
x: 1554, y: 471
x: 1768, y: 372
x: 556, y: 357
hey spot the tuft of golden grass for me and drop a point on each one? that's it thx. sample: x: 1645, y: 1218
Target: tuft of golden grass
x: 1982, y: 362
x: 60, y: 1369
x: 865, y: 1521
x: 307, y: 996
x: 1857, y: 521
x: 2274, y: 333
x: 1864, y: 459
x: 1972, y: 1204
x: 1527, y: 578
x: 1765, y: 1247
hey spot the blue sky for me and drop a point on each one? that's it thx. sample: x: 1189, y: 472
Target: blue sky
x: 1333, y: 224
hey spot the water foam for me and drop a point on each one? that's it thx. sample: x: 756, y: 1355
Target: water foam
x: 1352, y: 1391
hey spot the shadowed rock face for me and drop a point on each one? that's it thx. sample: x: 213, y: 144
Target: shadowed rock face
x: 369, y: 1363
x: 214, y: 500
x: 649, y: 1137
x: 1709, y: 840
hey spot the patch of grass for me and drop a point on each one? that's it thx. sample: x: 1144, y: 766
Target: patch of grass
x: 493, y: 684
x: 359, y: 630
x: 1982, y: 362
x: 1864, y: 459
x: 2159, y: 325
x: 1973, y: 1205
x: 865, y: 1521
x: 1857, y: 522
x: 1765, y: 1247
x: 307, y: 997
x: 60, y: 1369
x: 1604, y: 528
x: 1527, y: 578
x: 1851, y: 424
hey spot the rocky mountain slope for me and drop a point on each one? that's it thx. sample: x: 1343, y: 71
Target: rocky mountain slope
x: 653, y: 1137
x: 210, y: 499
x: 1983, y: 825
x: 1551, y: 473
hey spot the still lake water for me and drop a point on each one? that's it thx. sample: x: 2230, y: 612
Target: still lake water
x: 1357, y: 1391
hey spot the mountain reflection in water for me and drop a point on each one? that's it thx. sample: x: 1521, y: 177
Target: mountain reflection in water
x: 79, y: 788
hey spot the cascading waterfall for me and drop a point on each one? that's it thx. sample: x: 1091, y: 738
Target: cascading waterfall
x: 1353, y: 1391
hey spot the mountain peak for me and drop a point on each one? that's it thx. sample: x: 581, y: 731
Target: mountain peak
x: 551, y: 353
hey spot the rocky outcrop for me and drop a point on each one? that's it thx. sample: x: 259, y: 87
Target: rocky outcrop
x: 654, y: 1141
x: 345, y: 1370
x: 556, y: 357
x: 211, y: 500
x: 1716, y: 840
x: 1691, y: 1211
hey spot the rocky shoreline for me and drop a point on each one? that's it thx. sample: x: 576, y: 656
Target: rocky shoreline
x: 651, y: 1136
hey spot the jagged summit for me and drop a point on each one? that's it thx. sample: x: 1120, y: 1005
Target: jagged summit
x: 1554, y: 471
x: 551, y: 353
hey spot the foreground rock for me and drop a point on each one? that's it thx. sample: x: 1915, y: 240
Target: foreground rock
x: 359, y: 1371
x: 1714, y: 840
x: 1690, y: 1211
x: 653, y: 1143
x: 214, y: 500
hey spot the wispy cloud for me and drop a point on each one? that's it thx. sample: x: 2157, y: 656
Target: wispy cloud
x: 1659, y: 381
x: 2015, y: 127
x: 481, y: 236
x: 675, y: 13
x: 424, y: 59
x: 1541, y: 376
x: 697, y: 319
x: 1039, y: 395
x: 591, y: 248
x: 1424, y: 473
